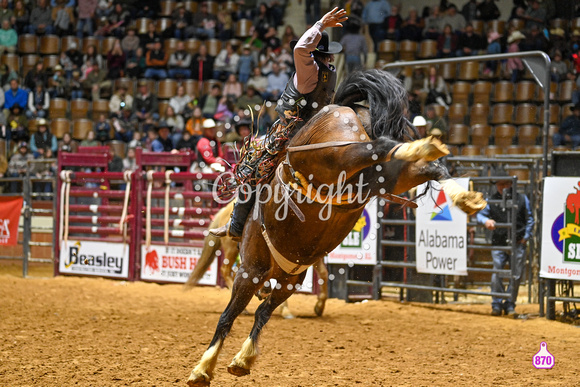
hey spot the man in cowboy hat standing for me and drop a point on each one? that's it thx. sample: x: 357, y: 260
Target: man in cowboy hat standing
x: 309, y: 89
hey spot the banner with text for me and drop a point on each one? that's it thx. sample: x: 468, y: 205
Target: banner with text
x: 174, y: 264
x: 441, y: 232
x: 560, y: 255
x: 10, y: 208
x: 94, y: 258
x: 360, y: 246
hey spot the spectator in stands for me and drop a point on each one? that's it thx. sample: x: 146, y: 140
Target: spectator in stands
x: 86, y: 12
x: 136, y: 64
x: 179, y: 101
x: 263, y: 20
x: 22, y: 16
x: 104, y: 8
x: 258, y: 81
x: 272, y: 40
x: 151, y: 135
x: 354, y: 47
x: 277, y: 81
x: 15, y: 95
x: 182, y: 22
x: 180, y: 62
x: 436, y: 89
x: 43, y: 139
x: 102, y: 129
x: 535, y: 40
x: 493, y: 47
x: 194, y: 124
x: 36, y: 75
x: 19, y: 165
x: 412, y: 27
x: 225, y: 110
x: 67, y: 144
x: 57, y: 83
x: 469, y: 42
x: 558, y: 68
x: 255, y: 41
x: 514, y: 65
x: 145, y: 104
x: 569, y: 132
x: 63, y: 18
x: 8, y: 38
x: 209, y: 148
x: 17, y: 124
x: 374, y: 14
x: 420, y: 124
x: 487, y: 10
x: 121, y: 19
x: 447, y: 43
x: 242, y: 130
x: 38, y: 102
x: 6, y: 12
x: 204, y: 23
x: 489, y: 217
x: 454, y: 19
x: 416, y: 82
x: 250, y: 98
x: 130, y: 162
x: 74, y: 86
x: 93, y: 56
x: 136, y: 141
x: 125, y: 125
x: 156, y: 61
x: 469, y: 10
x: 90, y: 140
x: 148, y: 8
x: 41, y: 19
x: 233, y: 88
x: 148, y: 39
x: 96, y: 81
x: 433, y: 28
x: 119, y: 100
x: 434, y: 121
x: 535, y: 15
x: 209, y: 102
x: 116, y: 61
x: 246, y: 64
x: 267, y: 58
x: 176, y: 122
x: 286, y: 60
x: 225, y: 25
x: 130, y: 42
x: 288, y: 36
x: 163, y: 141
x: 312, y: 11
x: 393, y: 24
x: 202, y: 65
x: 226, y: 62
x: 186, y: 143
x: 75, y: 56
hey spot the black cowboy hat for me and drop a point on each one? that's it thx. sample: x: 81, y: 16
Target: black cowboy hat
x: 243, y: 122
x: 325, y: 46
x: 163, y: 124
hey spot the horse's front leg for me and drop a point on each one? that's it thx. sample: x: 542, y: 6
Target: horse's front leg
x: 428, y: 149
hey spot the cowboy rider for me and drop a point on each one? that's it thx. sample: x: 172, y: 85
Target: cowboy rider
x: 310, y: 88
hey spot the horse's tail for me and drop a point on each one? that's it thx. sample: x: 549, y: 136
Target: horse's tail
x: 211, y: 244
x: 386, y: 97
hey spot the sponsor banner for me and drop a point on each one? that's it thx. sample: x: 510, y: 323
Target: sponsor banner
x: 441, y: 232
x: 560, y: 255
x: 360, y: 246
x: 174, y: 264
x: 10, y: 208
x: 94, y: 258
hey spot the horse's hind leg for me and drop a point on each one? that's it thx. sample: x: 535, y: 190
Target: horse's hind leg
x: 428, y: 149
x: 242, y: 292
x: 243, y: 361
x: 322, y: 272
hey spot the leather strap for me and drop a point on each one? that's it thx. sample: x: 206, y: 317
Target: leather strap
x: 285, y: 264
x: 321, y: 145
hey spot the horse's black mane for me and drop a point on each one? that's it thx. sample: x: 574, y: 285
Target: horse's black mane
x: 386, y: 97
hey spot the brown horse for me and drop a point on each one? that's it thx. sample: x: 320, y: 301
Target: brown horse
x: 341, y: 145
x: 230, y: 254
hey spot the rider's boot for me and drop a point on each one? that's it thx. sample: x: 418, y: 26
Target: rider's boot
x: 235, y: 226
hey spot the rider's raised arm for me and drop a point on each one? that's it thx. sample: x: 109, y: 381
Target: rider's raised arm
x: 306, y: 76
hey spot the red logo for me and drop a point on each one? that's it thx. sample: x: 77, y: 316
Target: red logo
x: 152, y: 260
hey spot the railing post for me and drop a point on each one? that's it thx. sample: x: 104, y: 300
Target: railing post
x: 27, y: 222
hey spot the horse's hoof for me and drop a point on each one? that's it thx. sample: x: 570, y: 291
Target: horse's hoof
x: 319, y: 308
x: 285, y: 312
x: 238, y: 371
x: 198, y: 380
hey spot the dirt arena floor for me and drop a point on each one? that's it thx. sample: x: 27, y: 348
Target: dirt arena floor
x: 94, y: 332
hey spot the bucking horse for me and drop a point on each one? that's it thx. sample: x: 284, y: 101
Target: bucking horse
x: 345, y: 155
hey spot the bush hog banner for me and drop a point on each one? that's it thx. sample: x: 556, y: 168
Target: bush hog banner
x: 560, y: 257
x: 174, y: 264
x: 102, y: 259
x: 10, y: 208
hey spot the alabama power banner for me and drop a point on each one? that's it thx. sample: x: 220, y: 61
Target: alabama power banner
x: 560, y: 257
x: 441, y: 233
x: 10, y: 208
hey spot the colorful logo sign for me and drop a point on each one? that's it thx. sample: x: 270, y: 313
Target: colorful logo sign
x: 441, y: 209
x: 359, y: 231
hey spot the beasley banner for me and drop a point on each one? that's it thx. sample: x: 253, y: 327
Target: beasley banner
x: 360, y: 246
x: 10, y: 208
x: 441, y: 233
x: 560, y: 257
x: 174, y: 264
x: 94, y: 258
